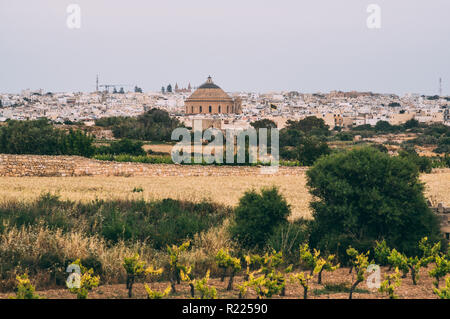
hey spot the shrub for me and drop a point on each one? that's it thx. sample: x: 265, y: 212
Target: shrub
x: 364, y: 195
x: 136, y: 268
x: 382, y: 253
x: 424, y: 164
x: 25, y: 290
x: 257, y: 216
x: 265, y: 286
x: 306, y: 150
x: 303, y: 279
x: 41, y: 138
x: 154, y: 125
x: 83, y: 282
x: 205, y: 291
x: 360, y: 262
x: 273, y: 279
x: 228, y: 264
x: 124, y: 146
x: 441, y: 269
x: 392, y: 281
x: 152, y: 294
x: 316, y: 263
x: 287, y: 237
x: 444, y: 293
x: 176, y: 268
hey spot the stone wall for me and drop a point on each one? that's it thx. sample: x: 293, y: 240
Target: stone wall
x: 37, y: 165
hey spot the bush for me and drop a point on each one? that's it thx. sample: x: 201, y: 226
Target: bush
x: 160, y: 223
x: 154, y: 125
x: 287, y: 237
x: 124, y: 146
x: 424, y: 164
x: 307, y: 150
x: 257, y: 216
x: 39, y: 137
x: 364, y: 195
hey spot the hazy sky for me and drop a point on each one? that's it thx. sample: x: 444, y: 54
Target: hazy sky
x: 248, y: 45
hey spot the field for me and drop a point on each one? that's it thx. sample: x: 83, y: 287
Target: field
x: 334, y: 286
x: 30, y: 244
x: 224, y: 190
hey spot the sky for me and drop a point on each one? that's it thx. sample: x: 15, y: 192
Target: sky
x: 245, y: 45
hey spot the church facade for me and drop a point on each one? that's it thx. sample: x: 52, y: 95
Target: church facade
x: 209, y: 98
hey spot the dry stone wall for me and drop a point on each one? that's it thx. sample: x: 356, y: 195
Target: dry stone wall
x: 39, y: 165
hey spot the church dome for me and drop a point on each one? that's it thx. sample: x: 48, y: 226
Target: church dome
x: 209, y: 98
x: 209, y: 91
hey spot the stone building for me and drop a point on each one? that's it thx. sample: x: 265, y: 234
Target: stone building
x: 209, y: 98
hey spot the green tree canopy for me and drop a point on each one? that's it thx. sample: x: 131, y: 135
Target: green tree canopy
x: 40, y: 137
x: 154, y: 125
x: 264, y: 123
x: 257, y: 216
x: 364, y: 195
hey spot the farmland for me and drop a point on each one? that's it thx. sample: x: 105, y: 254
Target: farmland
x: 40, y: 231
x: 225, y: 190
x: 335, y: 286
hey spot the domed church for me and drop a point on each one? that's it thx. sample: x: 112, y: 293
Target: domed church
x: 209, y: 98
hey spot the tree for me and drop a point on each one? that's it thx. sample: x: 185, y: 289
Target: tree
x: 121, y: 91
x: 304, y: 140
x: 307, y: 150
x: 383, y: 126
x: 382, y: 253
x: 264, y: 123
x: 126, y: 146
x: 137, y: 89
x: 154, y: 125
x: 423, y: 163
x: 41, y: 138
x: 169, y: 88
x: 310, y: 125
x: 412, y: 123
x: 257, y: 216
x: 364, y: 195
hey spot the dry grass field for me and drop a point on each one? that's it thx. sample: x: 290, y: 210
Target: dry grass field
x: 225, y: 190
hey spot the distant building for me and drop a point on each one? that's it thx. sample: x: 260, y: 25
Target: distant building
x: 183, y: 90
x: 211, y: 99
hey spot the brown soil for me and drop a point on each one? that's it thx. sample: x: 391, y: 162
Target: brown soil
x: 423, y: 290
